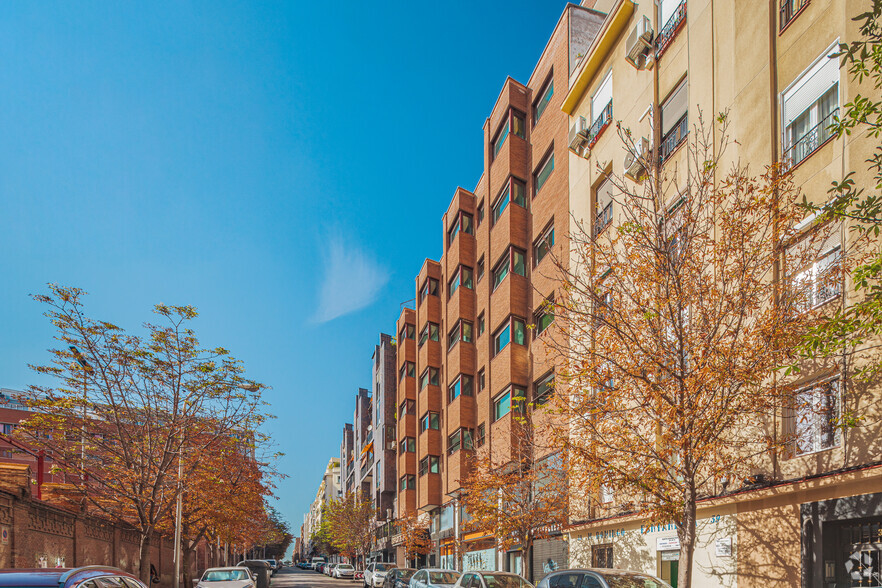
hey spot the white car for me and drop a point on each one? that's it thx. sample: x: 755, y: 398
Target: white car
x: 375, y: 573
x: 226, y: 578
x: 344, y: 571
x: 434, y: 578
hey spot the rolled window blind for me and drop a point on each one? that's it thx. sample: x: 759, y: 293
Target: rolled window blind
x: 810, y: 87
x: 602, y: 97
x: 675, y: 107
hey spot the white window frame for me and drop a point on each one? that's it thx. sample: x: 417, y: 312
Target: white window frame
x: 807, y: 419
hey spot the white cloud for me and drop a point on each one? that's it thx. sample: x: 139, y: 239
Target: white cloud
x: 352, y: 280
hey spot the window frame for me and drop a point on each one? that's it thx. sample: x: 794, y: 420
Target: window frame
x: 542, y: 398
x: 547, y: 232
x: 408, y: 406
x: 506, y: 196
x: 545, y: 309
x: 407, y: 482
x: 540, y: 169
x: 508, y: 323
x: 426, y: 288
x: 816, y: 428
x: 459, y: 388
x: 457, y: 333
x: 513, y: 404
x: 459, y: 226
x: 407, y: 445
x: 407, y: 369
x: 505, y: 129
x: 427, y: 376
x: 544, y: 99
x: 507, y: 261
x: 460, y: 282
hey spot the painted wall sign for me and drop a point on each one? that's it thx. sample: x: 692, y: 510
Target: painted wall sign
x: 667, y: 543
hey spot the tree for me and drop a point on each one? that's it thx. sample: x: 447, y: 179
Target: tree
x: 675, y: 320
x: 414, y: 535
x: 128, y: 410
x: 350, y: 524
x: 519, y: 497
x: 857, y: 328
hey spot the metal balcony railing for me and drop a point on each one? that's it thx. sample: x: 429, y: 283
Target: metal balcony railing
x: 599, y: 125
x: 810, y: 141
x: 603, y: 218
x: 789, y: 9
x: 675, y: 136
x: 670, y: 30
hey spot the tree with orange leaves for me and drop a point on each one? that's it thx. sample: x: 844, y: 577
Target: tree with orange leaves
x: 676, y: 316
x: 129, y: 410
x: 414, y: 532
x: 350, y: 524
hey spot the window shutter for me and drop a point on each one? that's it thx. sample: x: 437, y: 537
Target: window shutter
x: 675, y: 107
x: 604, y: 194
x: 666, y: 10
x: 602, y: 97
x: 810, y: 87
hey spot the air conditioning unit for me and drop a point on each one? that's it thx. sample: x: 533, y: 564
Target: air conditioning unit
x: 635, y: 163
x: 640, y: 44
x: 578, y: 135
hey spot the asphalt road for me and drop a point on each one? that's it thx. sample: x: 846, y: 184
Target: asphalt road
x: 297, y: 578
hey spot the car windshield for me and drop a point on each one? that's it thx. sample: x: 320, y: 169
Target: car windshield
x: 633, y: 581
x: 224, y: 575
x: 344, y: 567
x: 443, y: 577
x: 382, y: 567
x: 505, y: 581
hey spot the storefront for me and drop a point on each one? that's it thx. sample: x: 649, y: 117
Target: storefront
x: 479, y: 555
x: 655, y: 549
x: 549, y: 555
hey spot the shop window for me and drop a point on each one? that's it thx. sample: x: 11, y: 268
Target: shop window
x: 810, y: 106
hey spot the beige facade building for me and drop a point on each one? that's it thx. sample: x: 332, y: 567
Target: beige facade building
x: 814, y: 517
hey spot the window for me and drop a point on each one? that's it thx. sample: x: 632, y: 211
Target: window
x: 389, y: 435
x: 408, y: 368
x: 461, y: 439
x: 671, y: 17
x: 408, y: 445
x: 602, y: 99
x: 543, y: 389
x: 434, y: 464
x: 512, y: 328
x: 543, y: 171
x: 810, y: 105
x: 821, y: 281
x: 407, y: 332
x: 601, y: 556
x: 430, y: 420
x: 464, y: 223
x: 513, y: 260
x: 480, y: 324
x: 463, y: 277
x: 789, y: 10
x: 543, y: 244
x: 481, y: 379
x: 429, y: 376
x: 429, y: 332
x: 513, y: 191
x: 479, y: 440
x: 480, y: 213
x: 544, y: 98
x: 480, y: 268
x: 512, y: 397
x: 430, y: 287
x: 514, y: 123
x: 816, y: 414
x: 606, y: 494
x: 424, y: 466
x: 462, y: 331
x: 463, y: 385
x: 675, y: 119
x: 407, y: 482
x: 544, y: 316
x: 406, y: 407
x: 603, y: 206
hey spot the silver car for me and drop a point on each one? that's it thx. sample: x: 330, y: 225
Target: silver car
x: 434, y: 578
x: 490, y: 579
x: 600, y: 578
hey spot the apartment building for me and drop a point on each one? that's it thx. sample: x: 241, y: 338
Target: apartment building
x: 384, y: 442
x: 363, y: 467
x: 347, y: 459
x: 329, y: 489
x: 812, y: 518
x: 467, y: 349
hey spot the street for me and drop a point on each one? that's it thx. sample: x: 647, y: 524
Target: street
x: 294, y: 577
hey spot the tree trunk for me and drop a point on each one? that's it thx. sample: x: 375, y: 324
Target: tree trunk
x: 144, y: 558
x: 525, y: 559
x: 686, y: 534
x: 185, y: 564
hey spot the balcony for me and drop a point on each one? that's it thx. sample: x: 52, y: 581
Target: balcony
x: 602, y: 220
x: 674, y: 138
x: 670, y: 30
x: 790, y: 9
x: 599, y: 125
x: 811, y: 141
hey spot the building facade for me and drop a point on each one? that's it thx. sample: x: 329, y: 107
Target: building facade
x: 469, y: 348
x: 811, y: 517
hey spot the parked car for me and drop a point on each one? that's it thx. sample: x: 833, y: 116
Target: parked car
x: 600, y: 578
x: 226, y: 578
x: 344, y: 571
x: 398, y: 578
x: 68, y: 577
x: 260, y: 570
x: 329, y: 569
x: 375, y: 573
x: 435, y: 578
x: 490, y: 579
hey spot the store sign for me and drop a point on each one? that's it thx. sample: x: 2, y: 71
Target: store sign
x: 484, y: 559
x: 724, y: 547
x: 667, y: 544
x: 670, y: 555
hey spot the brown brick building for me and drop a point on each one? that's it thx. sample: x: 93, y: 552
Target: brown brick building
x: 467, y: 349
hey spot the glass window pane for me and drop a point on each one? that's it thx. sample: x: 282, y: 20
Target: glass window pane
x: 518, y: 263
x: 518, y: 126
x: 544, y: 100
x: 501, y: 204
x: 502, y: 339
x: 434, y: 421
x: 501, y: 140
x: 543, y: 174
x: 502, y: 406
x: 520, y: 332
x: 467, y: 224
x: 500, y: 273
x: 433, y: 331
x: 467, y: 332
x: 518, y: 193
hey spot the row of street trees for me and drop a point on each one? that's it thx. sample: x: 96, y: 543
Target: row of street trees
x: 136, y: 421
x: 681, y: 331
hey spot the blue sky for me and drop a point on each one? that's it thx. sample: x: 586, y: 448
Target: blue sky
x: 281, y: 166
